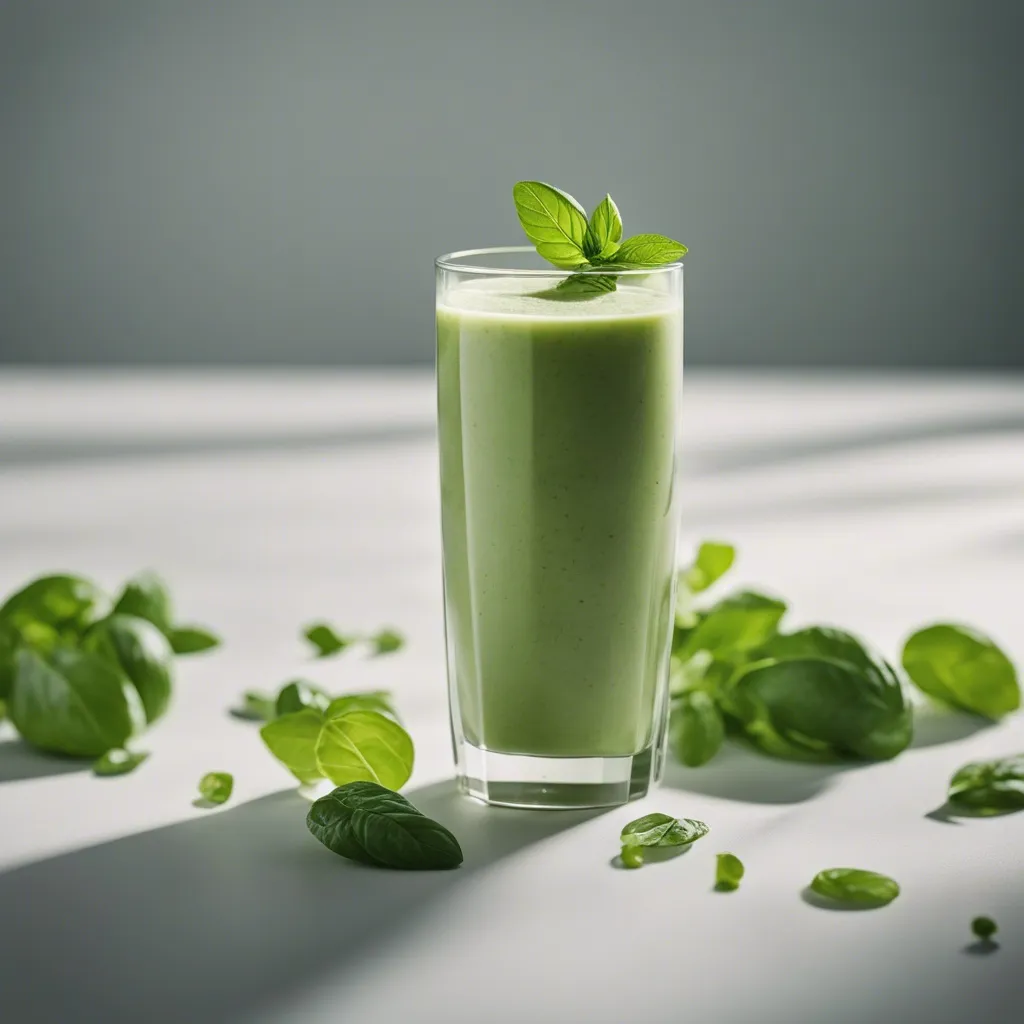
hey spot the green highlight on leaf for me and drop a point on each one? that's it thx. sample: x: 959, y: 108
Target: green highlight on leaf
x: 728, y: 872
x: 325, y: 640
x: 989, y: 787
x: 855, y: 887
x: 119, y: 762
x: 962, y: 667
x: 662, y: 830
x: 364, y: 746
x: 216, y: 787
x: 366, y: 822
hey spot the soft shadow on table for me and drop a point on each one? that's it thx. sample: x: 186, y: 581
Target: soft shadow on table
x: 20, y: 761
x: 738, y: 773
x: 205, y: 920
x: 934, y: 726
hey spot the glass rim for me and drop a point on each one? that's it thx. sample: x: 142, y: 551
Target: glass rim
x: 449, y: 261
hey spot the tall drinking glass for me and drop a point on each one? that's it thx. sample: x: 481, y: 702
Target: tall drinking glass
x: 558, y: 417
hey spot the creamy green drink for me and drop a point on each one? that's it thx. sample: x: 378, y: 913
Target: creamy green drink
x: 557, y: 433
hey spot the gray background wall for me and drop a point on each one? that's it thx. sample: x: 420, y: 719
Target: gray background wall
x: 266, y: 181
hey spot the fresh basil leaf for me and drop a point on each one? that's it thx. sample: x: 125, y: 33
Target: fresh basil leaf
x: 119, y: 762
x: 820, y: 694
x: 662, y: 830
x: 856, y: 887
x: 990, y: 787
x: 365, y: 822
x: 964, y: 668
x: 300, y: 694
x: 324, y: 638
x: 689, y: 674
x: 216, y: 787
x: 735, y: 624
x: 372, y: 700
x: 728, y: 872
x: 387, y: 641
x: 632, y: 857
x: 192, y: 640
x: 553, y: 221
x: 647, y: 251
x: 256, y: 706
x: 142, y: 653
x: 364, y: 746
x: 9, y: 641
x: 146, y: 597
x: 714, y: 559
x: 604, y: 229
x: 292, y: 740
x: 984, y: 928
x: 75, y: 703
x: 579, y: 286
x: 698, y: 729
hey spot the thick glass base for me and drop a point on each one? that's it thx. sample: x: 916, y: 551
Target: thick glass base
x: 556, y: 783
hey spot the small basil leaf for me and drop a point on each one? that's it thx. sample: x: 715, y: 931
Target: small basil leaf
x: 698, y: 729
x: 365, y: 822
x: 364, y: 746
x: 735, y: 624
x: 964, y: 668
x: 259, y: 707
x: 648, y: 251
x: 990, y: 787
x: 372, y: 700
x: 300, y: 694
x: 579, y: 286
x: 387, y: 641
x: 192, y: 640
x: 292, y: 740
x: 324, y: 638
x: 604, y: 229
x: 553, y: 221
x: 714, y: 559
x: 728, y: 872
x: 856, y: 887
x: 632, y: 857
x: 984, y: 927
x: 662, y: 830
x: 146, y: 597
x: 74, y: 703
x: 216, y: 787
x: 138, y: 648
x: 119, y: 762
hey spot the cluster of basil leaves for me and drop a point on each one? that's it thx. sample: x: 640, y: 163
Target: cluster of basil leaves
x: 815, y: 694
x: 563, y: 235
x: 82, y: 674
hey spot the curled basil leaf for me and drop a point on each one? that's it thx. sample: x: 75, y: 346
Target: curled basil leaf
x: 855, y: 887
x: 662, y: 830
x: 990, y: 787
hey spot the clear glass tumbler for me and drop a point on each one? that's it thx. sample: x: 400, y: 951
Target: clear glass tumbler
x: 559, y: 399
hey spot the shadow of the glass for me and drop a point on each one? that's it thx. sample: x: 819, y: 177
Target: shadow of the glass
x: 209, y: 918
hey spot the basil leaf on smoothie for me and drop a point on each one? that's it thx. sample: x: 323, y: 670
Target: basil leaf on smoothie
x: 604, y: 230
x: 579, y: 286
x: 553, y: 221
x: 648, y: 251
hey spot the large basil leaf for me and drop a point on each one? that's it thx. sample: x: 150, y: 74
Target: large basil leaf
x: 142, y: 653
x: 74, y: 703
x: 820, y: 694
x: 734, y: 625
x: 990, y: 787
x: 964, y: 668
x: 553, y: 221
x: 371, y: 700
x: 146, y: 597
x: 292, y: 740
x: 364, y: 746
x: 855, y: 887
x: 368, y: 823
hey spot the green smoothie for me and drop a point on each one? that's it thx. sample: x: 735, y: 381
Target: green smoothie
x: 557, y: 426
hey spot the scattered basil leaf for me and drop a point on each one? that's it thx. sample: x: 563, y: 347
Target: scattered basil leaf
x: 192, y: 640
x: 714, y: 559
x: 119, y: 762
x: 146, y: 596
x: 256, y: 706
x: 216, y: 787
x: 728, y: 872
x: 632, y: 857
x: 698, y: 729
x: 365, y: 822
x: 990, y: 787
x: 855, y: 887
x: 300, y: 694
x: 553, y: 221
x: 984, y: 928
x: 364, y: 746
x: 662, y: 830
x: 387, y: 641
x: 604, y: 230
x: 734, y: 625
x: 141, y: 652
x: 648, y: 251
x: 326, y: 641
x: 74, y: 702
x: 292, y: 740
x: 964, y: 668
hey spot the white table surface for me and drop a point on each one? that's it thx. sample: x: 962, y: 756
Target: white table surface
x: 878, y: 503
